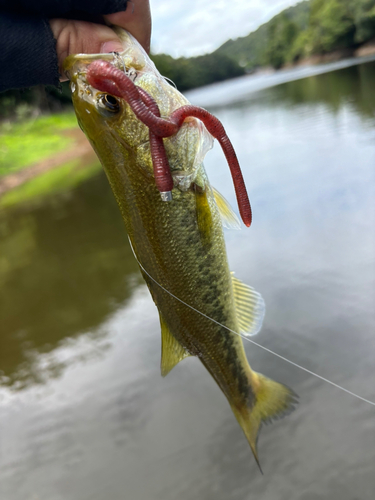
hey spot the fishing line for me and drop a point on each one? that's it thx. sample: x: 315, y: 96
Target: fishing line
x: 252, y: 341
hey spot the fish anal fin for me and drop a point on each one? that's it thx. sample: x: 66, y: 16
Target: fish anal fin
x: 272, y: 402
x: 172, y: 351
x: 228, y: 217
x: 250, y: 307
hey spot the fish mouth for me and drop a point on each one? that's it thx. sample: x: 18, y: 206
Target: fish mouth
x: 78, y: 63
x: 75, y: 68
x: 133, y: 61
x: 131, y: 58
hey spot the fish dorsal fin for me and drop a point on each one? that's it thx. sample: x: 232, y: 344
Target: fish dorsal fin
x: 228, y: 217
x: 172, y: 351
x: 250, y: 307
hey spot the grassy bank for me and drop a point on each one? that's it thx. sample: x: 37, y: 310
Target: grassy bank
x: 26, y: 143
x: 42, y: 157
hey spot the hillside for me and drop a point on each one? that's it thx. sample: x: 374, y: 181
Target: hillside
x: 314, y: 27
x: 254, y: 50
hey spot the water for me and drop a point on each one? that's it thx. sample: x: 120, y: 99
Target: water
x: 85, y: 414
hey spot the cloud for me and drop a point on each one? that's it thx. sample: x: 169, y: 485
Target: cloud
x: 193, y: 27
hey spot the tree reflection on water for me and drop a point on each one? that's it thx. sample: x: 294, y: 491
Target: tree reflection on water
x: 65, y: 266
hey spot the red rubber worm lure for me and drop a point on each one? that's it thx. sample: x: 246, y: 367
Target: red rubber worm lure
x: 106, y: 78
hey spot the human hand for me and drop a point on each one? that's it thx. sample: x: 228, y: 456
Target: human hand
x: 136, y: 19
x: 81, y: 37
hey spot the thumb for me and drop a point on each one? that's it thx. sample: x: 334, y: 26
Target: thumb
x: 81, y: 37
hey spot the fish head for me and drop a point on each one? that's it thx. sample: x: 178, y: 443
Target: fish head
x: 111, y: 125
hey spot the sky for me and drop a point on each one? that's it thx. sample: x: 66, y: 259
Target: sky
x: 194, y: 27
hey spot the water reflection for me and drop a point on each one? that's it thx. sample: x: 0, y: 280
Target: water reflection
x: 65, y: 266
x: 352, y: 86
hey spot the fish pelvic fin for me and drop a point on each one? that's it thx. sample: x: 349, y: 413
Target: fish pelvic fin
x: 228, y: 218
x: 272, y: 402
x: 172, y: 352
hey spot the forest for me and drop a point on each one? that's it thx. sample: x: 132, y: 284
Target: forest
x: 310, y: 28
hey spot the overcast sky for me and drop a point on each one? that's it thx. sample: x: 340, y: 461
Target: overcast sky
x: 194, y: 27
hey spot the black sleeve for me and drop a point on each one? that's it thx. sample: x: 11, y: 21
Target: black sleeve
x: 27, y: 47
x: 27, y: 52
x: 61, y: 8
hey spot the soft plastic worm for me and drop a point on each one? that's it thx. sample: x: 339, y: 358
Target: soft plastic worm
x: 162, y: 172
x: 106, y: 78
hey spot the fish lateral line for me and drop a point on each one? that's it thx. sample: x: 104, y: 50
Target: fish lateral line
x: 283, y: 358
x: 103, y: 76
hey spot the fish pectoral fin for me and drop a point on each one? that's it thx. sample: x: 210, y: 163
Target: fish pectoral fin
x: 228, y: 218
x: 250, y: 307
x: 172, y: 351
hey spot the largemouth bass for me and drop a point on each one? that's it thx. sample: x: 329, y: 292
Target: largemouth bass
x: 178, y: 244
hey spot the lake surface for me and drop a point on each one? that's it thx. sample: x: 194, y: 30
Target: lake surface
x: 85, y: 414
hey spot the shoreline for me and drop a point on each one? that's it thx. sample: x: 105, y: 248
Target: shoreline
x: 240, y: 88
x: 367, y: 49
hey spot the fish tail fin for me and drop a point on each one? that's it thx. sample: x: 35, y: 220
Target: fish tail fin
x: 272, y: 401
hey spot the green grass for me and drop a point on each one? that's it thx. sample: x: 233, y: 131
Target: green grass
x: 22, y: 144
x: 52, y: 182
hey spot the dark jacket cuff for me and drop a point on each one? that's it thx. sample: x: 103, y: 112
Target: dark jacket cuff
x: 61, y: 8
x: 27, y: 52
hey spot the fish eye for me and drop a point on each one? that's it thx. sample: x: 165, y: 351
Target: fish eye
x: 109, y: 102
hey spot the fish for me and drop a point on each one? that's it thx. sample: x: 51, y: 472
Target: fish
x: 178, y: 241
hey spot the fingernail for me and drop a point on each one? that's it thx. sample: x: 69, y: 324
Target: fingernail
x: 111, y: 46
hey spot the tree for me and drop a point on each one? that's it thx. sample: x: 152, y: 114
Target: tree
x: 281, y: 35
x: 331, y: 25
x: 364, y: 19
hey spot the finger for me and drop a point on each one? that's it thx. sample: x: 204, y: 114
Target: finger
x: 136, y: 19
x: 81, y: 37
